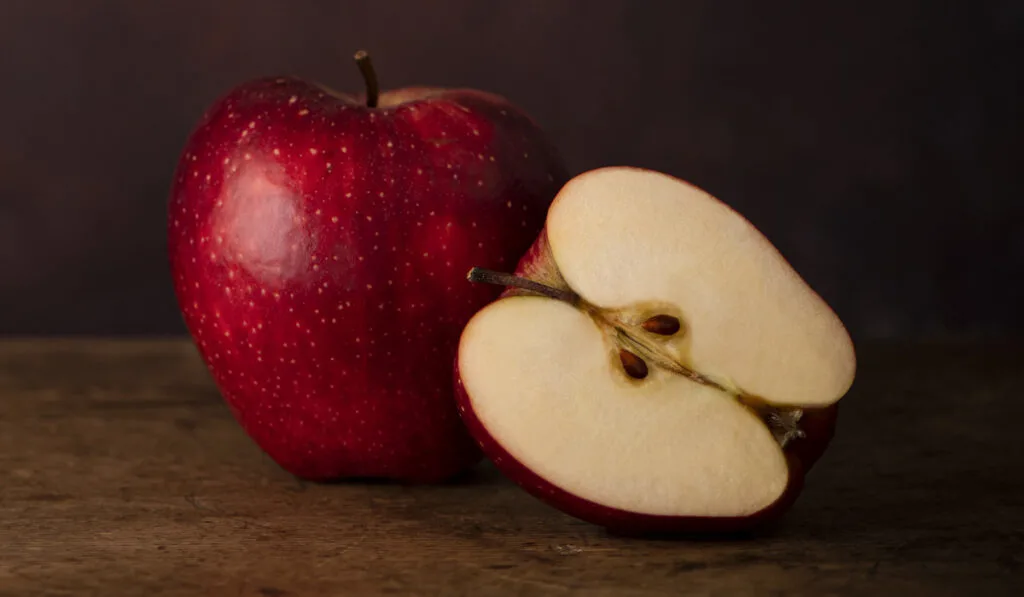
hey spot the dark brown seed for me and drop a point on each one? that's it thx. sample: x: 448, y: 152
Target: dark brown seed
x: 665, y: 325
x: 635, y: 366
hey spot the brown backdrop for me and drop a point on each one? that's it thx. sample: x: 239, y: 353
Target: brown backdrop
x: 874, y: 142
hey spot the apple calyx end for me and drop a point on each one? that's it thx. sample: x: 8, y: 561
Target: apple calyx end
x: 784, y: 424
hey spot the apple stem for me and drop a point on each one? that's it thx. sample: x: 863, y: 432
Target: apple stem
x: 486, y: 276
x: 369, y: 78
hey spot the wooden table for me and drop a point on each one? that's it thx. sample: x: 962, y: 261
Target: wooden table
x: 123, y: 473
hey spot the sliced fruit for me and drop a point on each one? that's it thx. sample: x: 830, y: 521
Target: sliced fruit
x: 656, y: 363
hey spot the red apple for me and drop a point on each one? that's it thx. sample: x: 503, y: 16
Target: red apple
x: 318, y: 246
x: 657, y: 365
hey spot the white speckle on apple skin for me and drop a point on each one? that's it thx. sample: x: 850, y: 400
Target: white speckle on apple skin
x: 320, y: 196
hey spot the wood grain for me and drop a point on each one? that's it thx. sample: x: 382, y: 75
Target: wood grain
x: 123, y: 473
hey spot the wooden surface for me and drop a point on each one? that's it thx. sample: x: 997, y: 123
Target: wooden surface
x: 122, y: 473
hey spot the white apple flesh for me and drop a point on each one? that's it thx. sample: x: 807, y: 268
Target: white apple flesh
x: 657, y: 363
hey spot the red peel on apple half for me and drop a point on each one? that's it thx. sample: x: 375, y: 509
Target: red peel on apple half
x: 656, y: 366
x: 318, y: 248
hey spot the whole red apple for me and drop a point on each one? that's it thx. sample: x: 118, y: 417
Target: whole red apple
x: 318, y: 246
x: 656, y: 365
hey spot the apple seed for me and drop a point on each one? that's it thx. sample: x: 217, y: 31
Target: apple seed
x: 663, y: 325
x: 634, y: 366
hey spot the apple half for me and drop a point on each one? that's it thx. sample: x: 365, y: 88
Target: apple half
x: 656, y: 365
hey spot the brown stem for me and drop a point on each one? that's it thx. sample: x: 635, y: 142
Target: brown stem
x: 369, y: 78
x: 486, y: 276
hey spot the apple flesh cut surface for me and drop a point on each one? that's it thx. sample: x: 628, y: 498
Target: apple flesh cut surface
x: 656, y: 365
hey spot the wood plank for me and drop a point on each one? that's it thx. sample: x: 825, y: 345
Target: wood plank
x: 123, y: 473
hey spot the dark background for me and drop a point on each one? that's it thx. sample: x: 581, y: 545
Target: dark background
x: 876, y: 143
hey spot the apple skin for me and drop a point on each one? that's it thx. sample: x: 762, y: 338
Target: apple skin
x: 819, y: 426
x: 318, y: 250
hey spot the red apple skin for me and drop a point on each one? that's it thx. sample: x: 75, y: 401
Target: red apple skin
x: 819, y: 425
x: 318, y: 250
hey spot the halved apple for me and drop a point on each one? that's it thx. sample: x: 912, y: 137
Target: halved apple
x: 656, y: 364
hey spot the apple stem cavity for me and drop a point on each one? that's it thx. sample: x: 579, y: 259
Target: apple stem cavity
x: 486, y: 276
x: 362, y: 59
